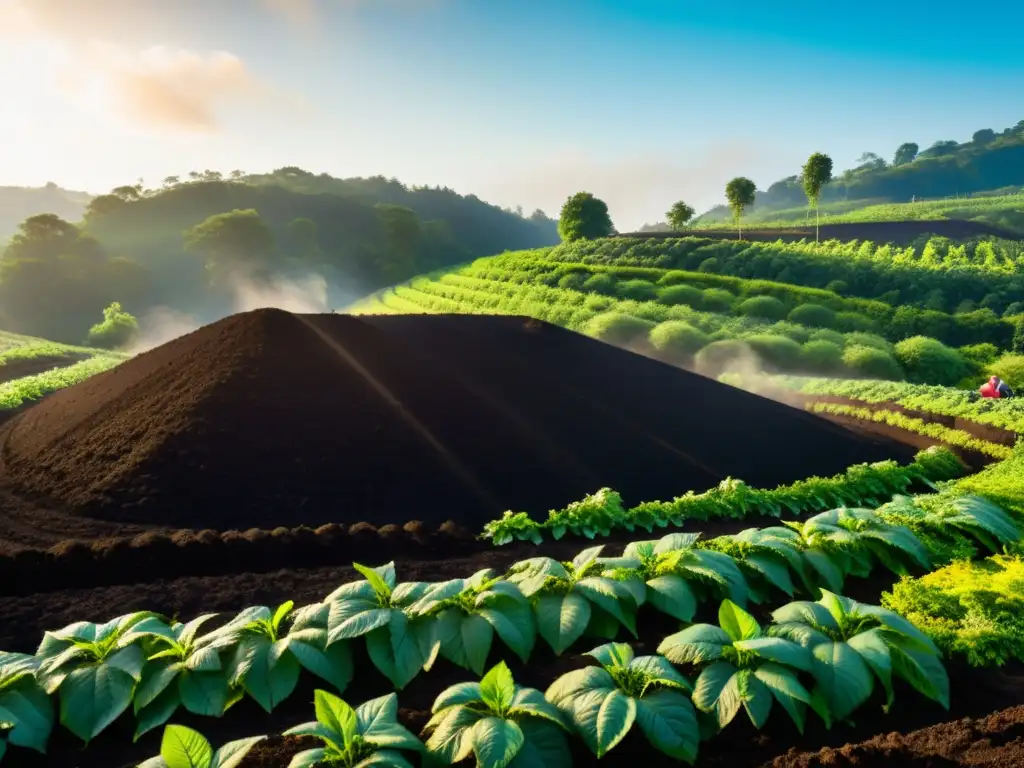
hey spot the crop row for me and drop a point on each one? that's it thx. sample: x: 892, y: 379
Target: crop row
x: 988, y: 274
x: 155, y: 666
x: 19, y: 391
x: 825, y: 657
x: 601, y: 513
x: 939, y: 432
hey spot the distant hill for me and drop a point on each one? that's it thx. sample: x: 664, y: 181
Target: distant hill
x: 991, y: 163
x: 18, y: 203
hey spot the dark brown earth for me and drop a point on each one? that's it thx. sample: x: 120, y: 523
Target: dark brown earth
x: 268, y: 418
x: 899, y: 232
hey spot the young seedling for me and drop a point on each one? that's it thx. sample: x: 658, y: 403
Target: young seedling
x: 603, y: 703
x: 497, y: 721
x: 182, y: 747
x: 369, y: 735
x: 744, y: 668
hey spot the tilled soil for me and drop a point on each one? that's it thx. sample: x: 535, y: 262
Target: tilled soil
x: 268, y: 418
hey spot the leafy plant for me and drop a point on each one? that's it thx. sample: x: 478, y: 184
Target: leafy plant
x: 467, y: 613
x: 400, y: 643
x: 268, y: 656
x: 672, y: 574
x: 183, y: 747
x: 499, y: 722
x: 369, y: 735
x: 26, y: 712
x: 851, y: 644
x: 95, y: 668
x: 572, y: 599
x: 745, y: 668
x: 766, y: 560
x: 604, y: 702
x: 974, y: 515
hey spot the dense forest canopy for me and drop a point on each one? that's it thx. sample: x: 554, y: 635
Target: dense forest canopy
x: 194, y: 243
x: 989, y: 161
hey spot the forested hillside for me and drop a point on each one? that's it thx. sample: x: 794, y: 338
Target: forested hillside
x: 18, y: 203
x: 988, y: 162
x: 190, y: 245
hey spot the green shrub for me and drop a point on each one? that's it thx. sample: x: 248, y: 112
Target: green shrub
x: 859, y: 339
x: 1010, y: 368
x: 572, y: 282
x: 617, y: 328
x: 778, y: 351
x: 677, y: 340
x: 826, y: 334
x: 717, y: 300
x: 929, y: 361
x: 797, y: 333
x: 718, y: 356
x: 813, y: 315
x: 979, y: 355
x: 821, y: 356
x: 872, y: 362
x: 766, y: 307
x: 837, y: 286
x: 603, y: 284
x: 681, y: 294
x: 709, y: 266
x: 637, y: 290
x: 597, y: 303
x: 118, y: 329
x: 854, y: 321
x: 673, y: 277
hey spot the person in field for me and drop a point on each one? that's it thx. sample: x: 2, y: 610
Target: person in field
x: 995, y: 387
x: 1004, y: 389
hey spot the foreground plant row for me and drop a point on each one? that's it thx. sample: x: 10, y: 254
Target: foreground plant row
x: 603, y: 512
x: 155, y: 666
x: 826, y: 657
x: 949, y: 436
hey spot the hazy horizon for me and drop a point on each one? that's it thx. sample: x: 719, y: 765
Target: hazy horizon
x: 641, y: 103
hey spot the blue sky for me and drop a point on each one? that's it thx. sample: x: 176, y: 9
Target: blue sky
x: 518, y: 101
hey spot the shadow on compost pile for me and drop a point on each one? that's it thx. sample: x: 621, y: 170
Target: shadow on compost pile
x: 268, y: 418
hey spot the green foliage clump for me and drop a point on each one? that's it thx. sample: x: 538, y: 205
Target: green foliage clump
x: 854, y: 321
x: 674, y: 295
x: 677, y: 339
x: 813, y: 315
x: 797, y: 333
x: 573, y: 281
x: 979, y: 356
x: 584, y: 217
x: 777, y: 351
x: 930, y: 361
x: 1010, y: 368
x: 766, y: 307
x: 718, y: 356
x: 826, y: 334
x: 871, y: 362
x: 600, y: 283
x: 821, y: 356
x: 974, y: 609
x: 860, y: 339
x: 118, y: 329
x: 717, y: 300
x: 617, y: 328
x: 637, y: 290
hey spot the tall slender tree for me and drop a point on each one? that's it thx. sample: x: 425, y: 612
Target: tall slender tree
x: 740, y: 192
x: 817, y: 172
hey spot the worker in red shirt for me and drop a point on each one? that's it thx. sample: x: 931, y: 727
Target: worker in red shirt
x: 990, y: 388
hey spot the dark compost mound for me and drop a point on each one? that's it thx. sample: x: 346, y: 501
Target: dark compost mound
x: 268, y: 418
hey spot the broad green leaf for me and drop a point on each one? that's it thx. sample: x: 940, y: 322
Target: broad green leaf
x: 787, y: 690
x: 498, y: 688
x: 333, y: 665
x: 405, y: 647
x: 707, y: 691
x: 673, y: 596
x: 233, y: 753
x: 360, y: 623
x: 827, y: 571
x: 335, y: 714
x: 562, y: 619
x: 477, y: 635
x: 544, y: 746
x: 779, y: 650
x: 204, y: 693
x: 515, y: 625
x: 530, y: 701
x: 875, y: 651
x: 184, y: 748
x: 675, y: 541
x: 775, y: 571
x: 612, y: 654
x: 896, y: 623
x: 377, y: 713
x: 754, y: 694
x: 308, y: 758
x: 129, y: 660
x: 577, y: 683
x: 922, y: 670
x: 451, y: 733
x: 586, y: 557
x: 32, y: 712
x: 267, y: 681
x: 842, y: 676
x: 661, y: 672
x: 736, y: 622
x: 695, y: 645
x: 609, y: 596
x: 668, y: 721
x: 614, y: 719
x: 460, y: 693
x: 496, y: 742
x: 157, y: 712
x: 91, y: 698
x: 384, y: 758
x: 156, y: 676
x: 805, y: 612
x: 380, y: 586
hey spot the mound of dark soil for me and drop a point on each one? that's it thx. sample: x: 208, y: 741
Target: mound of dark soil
x: 268, y: 418
x: 899, y: 232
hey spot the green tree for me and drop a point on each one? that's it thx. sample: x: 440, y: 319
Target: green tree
x: 816, y: 173
x: 584, y: 217
x: 984, y: 136
x: 230, y: 242
x: 740, y: 192
x: 118, y: 329
x: 48, y: 237
x: 679, y: 215
x: 906, y: 153
x: 302, y: 241
x: 403, y: 232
